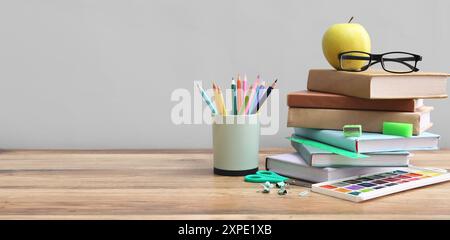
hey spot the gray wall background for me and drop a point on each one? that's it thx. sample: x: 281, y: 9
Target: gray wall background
x: 99, y: 73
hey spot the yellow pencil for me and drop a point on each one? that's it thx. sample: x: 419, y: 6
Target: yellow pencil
x: 222, y: 102
x: 217, y: 99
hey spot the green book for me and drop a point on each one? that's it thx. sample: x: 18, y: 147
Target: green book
x: 317, y: 157
x: 370, y: 142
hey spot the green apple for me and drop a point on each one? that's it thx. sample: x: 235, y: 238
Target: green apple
x: 343, y: 37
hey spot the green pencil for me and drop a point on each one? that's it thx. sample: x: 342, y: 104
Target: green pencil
x: 234, y: 93
x: 244, y: 104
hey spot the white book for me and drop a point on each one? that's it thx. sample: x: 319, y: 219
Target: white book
x: 292, y: 165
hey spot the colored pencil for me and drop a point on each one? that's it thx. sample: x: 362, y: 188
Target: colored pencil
x: 266, y: 95
x: 261, y: 91
x: 244, y: 103
x: 222, y: 102
x: 217, y: 99
x: 246, y: 97
x: 234, y: 96
x: 256, y: 98
x: 251, y: 95
x: 244, y: 88
x: 239, y: 93
x: 207, y: 99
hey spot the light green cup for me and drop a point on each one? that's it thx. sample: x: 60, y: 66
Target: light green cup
x: 236, y: 144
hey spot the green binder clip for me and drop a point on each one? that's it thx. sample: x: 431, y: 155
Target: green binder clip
x: 352, y: 130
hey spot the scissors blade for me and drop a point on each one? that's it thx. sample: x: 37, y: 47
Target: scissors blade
x: 297, y: 182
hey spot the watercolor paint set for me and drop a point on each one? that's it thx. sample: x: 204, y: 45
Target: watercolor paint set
x: 365, y: 187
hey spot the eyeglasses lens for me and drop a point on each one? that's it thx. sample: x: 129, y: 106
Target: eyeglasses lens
x: 399, y: 62
x: 354, y: 61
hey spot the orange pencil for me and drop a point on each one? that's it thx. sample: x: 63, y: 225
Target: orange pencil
x: 239, y: 92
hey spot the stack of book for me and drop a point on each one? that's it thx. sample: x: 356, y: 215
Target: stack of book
x: 338, y: 98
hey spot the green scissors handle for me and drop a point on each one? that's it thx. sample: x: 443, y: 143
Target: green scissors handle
x: 265, y: 176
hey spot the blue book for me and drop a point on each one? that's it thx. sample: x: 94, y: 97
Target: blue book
x: 371, y: 142
x: 316, y: 157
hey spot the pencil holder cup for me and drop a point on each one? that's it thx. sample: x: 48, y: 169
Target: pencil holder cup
x: 236, y: 144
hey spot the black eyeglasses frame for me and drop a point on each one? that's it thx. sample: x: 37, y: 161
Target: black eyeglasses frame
x: 378, y: 58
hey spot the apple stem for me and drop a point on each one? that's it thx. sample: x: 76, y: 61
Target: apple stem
x: 350, y: 19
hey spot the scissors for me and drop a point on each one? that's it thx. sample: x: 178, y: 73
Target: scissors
x: 265, y: 176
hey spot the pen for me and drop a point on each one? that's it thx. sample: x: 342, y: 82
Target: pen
x: 207, y: 99
x: 234, y: 96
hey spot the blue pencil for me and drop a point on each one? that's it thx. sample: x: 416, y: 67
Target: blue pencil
x: 255, y: 100
x: 265, y: 95
x: 260, y: 94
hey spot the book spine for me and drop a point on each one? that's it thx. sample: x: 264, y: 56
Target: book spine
x: 297, y: 171
x: 334, y: 101
x: 348, y: 84
x: 306, y: 155
x: 334, y: 140
x: 371, y: 121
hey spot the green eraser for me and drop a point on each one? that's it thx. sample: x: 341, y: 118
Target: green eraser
x: 398, y: 129
x: 352, y: 130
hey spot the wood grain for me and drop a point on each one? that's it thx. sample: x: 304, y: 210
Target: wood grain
x: 179, y: 184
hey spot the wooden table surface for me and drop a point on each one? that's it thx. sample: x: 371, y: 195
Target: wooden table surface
x: 180, y: 184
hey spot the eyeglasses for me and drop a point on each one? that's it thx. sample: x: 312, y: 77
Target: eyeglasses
x: 393, y: 62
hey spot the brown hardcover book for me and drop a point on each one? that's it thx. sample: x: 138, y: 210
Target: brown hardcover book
x: 371, y: 121
x: 310, y: 99
x: 379, y: 84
